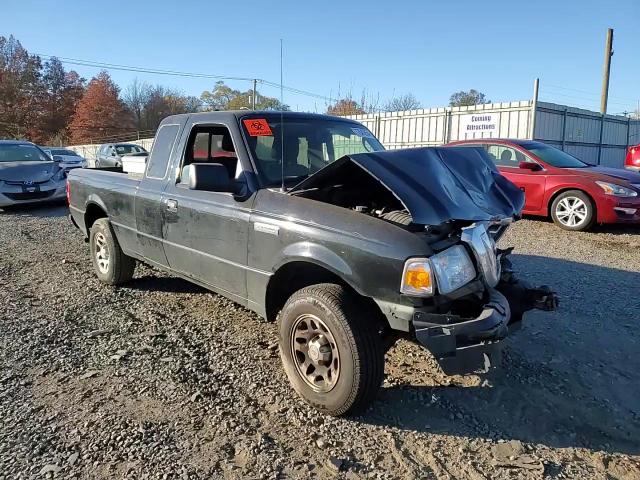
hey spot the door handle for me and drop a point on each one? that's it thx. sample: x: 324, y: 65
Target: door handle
x: 172, y: 205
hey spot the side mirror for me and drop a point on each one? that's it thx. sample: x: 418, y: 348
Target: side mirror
x: 211, y: 177
x: 57, y: 158
x: 533, y: 166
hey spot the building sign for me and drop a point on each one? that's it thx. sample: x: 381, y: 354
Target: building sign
x: 478, y: 123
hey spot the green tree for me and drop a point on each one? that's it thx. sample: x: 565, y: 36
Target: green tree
x: 467, y: 99
x: 223, y: 97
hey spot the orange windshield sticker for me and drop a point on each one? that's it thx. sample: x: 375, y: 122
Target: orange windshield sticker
x: 257, y: 127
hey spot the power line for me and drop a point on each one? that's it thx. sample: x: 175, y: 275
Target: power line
x: 155, y: 71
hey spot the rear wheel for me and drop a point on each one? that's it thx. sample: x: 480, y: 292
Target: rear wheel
x: 331, y: 349
x: 573, y: 210
x: 110, y: 263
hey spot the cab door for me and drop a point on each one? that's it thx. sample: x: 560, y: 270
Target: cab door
x: 205, y: 232
x: 531, y: 182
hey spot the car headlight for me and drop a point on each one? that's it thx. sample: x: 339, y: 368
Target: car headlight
x: 616, y: 190
x: 450, y: 270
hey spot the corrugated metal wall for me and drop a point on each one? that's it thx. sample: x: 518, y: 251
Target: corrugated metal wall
x: 574, y: 130
x: 586, y: 134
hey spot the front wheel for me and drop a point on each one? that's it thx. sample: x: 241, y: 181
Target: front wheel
x: 110, y: 263
x: 331, y: 349
x: 573, y: 210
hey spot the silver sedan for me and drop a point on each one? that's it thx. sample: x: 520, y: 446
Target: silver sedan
x: 29, y: 175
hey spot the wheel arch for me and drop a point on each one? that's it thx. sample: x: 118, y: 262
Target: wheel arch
x: 562, y: 190
x: 94, y: 210
x: 298, y: 273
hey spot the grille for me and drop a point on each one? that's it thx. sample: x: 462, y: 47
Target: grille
x: 28, y: 195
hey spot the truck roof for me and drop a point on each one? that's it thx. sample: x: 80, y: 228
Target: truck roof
x: 15, y: 142
x: 236, y: 114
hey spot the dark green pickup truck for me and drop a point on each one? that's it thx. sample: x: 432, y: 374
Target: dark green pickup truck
x: 306, y: 220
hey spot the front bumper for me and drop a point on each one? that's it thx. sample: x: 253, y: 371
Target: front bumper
x: 17, y: 195
x: 465, y: 345
x: 613, y: 209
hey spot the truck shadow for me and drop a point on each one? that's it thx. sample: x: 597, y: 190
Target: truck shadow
x: 569, y: 379
x: 163, y: 283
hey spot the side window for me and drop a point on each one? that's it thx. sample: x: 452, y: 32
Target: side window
x: 161, y: 150
x: 209, y: 144
x: 504, y: 156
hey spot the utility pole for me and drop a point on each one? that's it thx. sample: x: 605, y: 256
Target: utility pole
x: 608, y: 53
x: 255, y: 92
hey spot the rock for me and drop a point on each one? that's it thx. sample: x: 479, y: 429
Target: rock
x: 273, y: 346
x: 89, y: 374
x: 512, y: 448
x: 73, y: 458
x: 195, y: 396
x: 97, y: 333
x: 51, y: 468
x: 334, y: 464
x: 321, y: 443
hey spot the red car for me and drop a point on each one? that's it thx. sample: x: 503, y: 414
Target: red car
x: 632, y: 161
x: 575, y: 194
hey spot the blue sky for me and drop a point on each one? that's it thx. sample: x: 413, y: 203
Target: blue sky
x: 430, y: 48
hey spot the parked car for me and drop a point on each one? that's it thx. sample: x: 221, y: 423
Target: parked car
x: 28, y: 174
x: 110, y: 154
x: 306, y: 219
x: 632, y: 160
x: 67, y: 158
x: 575, y: 194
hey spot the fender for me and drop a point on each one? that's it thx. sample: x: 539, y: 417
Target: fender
x: 93, y: 198
x: 321, y: 256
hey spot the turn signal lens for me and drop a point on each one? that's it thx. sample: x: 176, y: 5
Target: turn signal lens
x: 417, y: 278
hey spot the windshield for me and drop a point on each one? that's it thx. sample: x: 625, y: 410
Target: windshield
x: 60, y: 151
x: 555, y: 157
x: 309, y: 145
x: 128, y: 149
x: 22, y: 153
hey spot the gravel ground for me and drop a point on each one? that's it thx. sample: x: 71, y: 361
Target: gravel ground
x: 161, y: 379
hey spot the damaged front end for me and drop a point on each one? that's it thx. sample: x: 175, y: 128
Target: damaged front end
x: 464, y: 296
x: 465, y: 341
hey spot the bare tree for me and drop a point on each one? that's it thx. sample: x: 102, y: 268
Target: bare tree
x: 136, y: 96
x: 407, y: 101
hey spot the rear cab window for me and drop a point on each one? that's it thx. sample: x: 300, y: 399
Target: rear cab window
x: 161, y: 151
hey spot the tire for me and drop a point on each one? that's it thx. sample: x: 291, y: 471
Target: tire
x: 110, y: 263
x: 344, y: 329
x: 573, y: 210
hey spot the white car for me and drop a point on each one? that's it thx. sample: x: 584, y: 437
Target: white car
x: 66, y: 158
x: 28, y: 175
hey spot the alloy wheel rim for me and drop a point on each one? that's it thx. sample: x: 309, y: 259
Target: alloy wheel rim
x: 102, y: 252
x: 315, y: 353
x: 571, y: 211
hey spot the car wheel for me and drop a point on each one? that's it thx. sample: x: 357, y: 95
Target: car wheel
x: 110, y: 263
x: 573, y: 210
x: 332, y: 353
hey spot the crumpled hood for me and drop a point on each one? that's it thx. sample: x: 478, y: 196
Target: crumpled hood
x: 36, y: 172
x: 436, y: 184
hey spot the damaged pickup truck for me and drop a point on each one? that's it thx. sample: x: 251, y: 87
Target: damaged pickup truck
x: 306, y: 220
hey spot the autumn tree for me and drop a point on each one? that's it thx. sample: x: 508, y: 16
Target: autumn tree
x: 21, y: 91
x: 223, y: 97
x: 345, y: 106
x: 100, y: 113
x: 403, y: 102
x: 467, y: 99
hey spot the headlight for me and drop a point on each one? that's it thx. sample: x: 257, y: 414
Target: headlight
x: 453, y: 269
x: 450, y: 270
x: 61, y: 175
x: 616, y: 190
